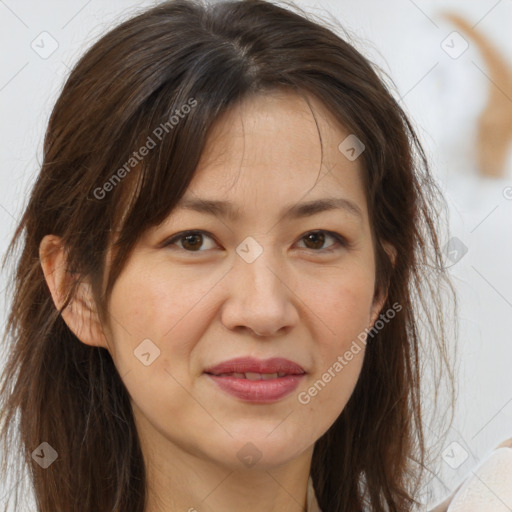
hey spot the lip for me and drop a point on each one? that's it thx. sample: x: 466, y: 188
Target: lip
x: 257, y: 391
x: 250, y: 364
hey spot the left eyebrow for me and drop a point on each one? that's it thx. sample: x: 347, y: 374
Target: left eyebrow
x: 225, y: 209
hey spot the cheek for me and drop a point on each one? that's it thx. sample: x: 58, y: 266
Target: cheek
x: 158, y: 304
x: 143, y: 311
x: 148, y: 317
x: 342, y: 304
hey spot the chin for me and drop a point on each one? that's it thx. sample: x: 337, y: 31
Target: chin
x: 261, y: 451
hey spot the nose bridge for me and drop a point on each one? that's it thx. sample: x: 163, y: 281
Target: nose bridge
x: 258, y: 267
x: 258, y: 296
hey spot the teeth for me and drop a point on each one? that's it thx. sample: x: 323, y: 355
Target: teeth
x: 254, y: 376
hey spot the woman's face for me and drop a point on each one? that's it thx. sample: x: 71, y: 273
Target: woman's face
x: 182, y: 306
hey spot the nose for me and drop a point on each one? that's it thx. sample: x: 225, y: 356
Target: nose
x: 260, y: 297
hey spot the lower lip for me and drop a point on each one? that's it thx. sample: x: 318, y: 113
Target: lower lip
x: 258, y: 391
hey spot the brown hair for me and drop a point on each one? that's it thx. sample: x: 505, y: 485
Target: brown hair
x: 127, y: 84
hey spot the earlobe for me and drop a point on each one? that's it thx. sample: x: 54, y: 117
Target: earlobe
x: 80, y: 315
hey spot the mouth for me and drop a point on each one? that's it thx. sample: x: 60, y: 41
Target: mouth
x: 257, y: 381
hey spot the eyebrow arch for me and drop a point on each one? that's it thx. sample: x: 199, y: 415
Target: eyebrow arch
x: 226, y: 210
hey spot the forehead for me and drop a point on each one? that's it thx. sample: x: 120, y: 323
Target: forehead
x: 271, y: 149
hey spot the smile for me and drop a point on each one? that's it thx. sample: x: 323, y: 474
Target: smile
x: 257, y: 381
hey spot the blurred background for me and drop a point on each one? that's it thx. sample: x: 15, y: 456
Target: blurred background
x: 453, y: 76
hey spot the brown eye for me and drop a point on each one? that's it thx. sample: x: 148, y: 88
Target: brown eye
x: 191, y: 241
x: 316, y: 239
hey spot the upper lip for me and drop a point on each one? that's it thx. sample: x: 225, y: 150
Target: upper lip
x: 252, y: 365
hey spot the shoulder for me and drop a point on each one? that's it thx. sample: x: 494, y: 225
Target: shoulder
x: 443, y: 507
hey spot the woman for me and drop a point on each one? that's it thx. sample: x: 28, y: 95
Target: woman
x: 227, y: 256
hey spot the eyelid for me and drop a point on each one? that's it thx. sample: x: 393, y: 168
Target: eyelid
x: 341, y: 241
x: 182, y: 234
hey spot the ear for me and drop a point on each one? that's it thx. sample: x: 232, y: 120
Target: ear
x: 80, y: 315
x: 380, y: 298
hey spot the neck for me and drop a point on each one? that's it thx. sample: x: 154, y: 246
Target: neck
x: 182, y: 481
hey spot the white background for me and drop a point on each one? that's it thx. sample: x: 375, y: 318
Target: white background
x: 444, y: 97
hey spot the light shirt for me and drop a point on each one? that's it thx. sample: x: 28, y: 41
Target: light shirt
x: 312, y: 503
x: 489, y: 488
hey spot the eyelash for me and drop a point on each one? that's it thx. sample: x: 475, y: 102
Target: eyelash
x: 341, y: 241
